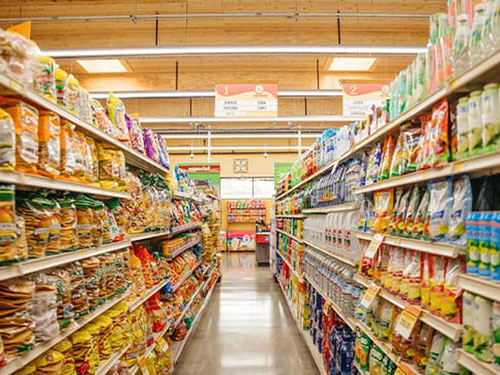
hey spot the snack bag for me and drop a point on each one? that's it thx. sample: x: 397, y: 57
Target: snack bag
x: 411, y: 141
x: 463, y: 128
x: 412, y: 211
x: 397, y: 162
x: 462, y: 205
x: 440, y: 146
x: 386, y: 161
x: 8, y: 229
x: 135, y: 133
x: 101, y: 120
x: 73, y: 95
x: 85, y: 220
x: 426, y: 142
x: 62, y: 89
x: 44, y: 81
x: 37, y: 211
x: 437, y: 265
x: 93, y: 161
x: 25, y: 119
x: 7, y: 142
x: 425, y: 293
x: 419, y: 226
x: 68, y: 162
x: 440, y: 206
x: 116, y: 113
x: 490, y: 109
x: 451, y: 306
x: 79, y: 152
x: 109, y: 169
x: 49, y: 144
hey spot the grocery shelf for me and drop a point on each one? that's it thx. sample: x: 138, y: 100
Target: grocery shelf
x: 103, y: 368
x: 483, y: 162
x: 32, y: 181
x: 185, y: 310
x: 326, y: 168
x: 185, y: 277
x: 296, y: 273
x: 184, y: 228
x: 213, y: 197
x: 386, y: 348
x: 178, y: 346
x: 132, y: 156
x: 289, y: 235
x: 183, y: 248
x: 149, y: 293
x: 338, y: 208
x: 180, y: 195
x: 483, y: 287
x: 50, y: 261
x: 349, y: 321
x: 362, y: 372
x: 19, y: 362
x: 149, y: 235
x: 318, y: 359
x: 436, y: 248
x: 476, y: 366
x: 453, y: 331
x: 297, y: 216
x: 343, y: 259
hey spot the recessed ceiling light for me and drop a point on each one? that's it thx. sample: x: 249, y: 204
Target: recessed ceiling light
x: 103, y: 66
x: 352, y: 63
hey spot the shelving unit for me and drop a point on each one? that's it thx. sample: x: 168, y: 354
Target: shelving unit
x: 349, y: 321
x: 289, y: 235
x: 50, y: 261
x: 19, y: 362
x: 185, y: 228
x: 148, y: 294
x: 185, y: 277
x: 178, y: 346
x: 289, y: 264
x: 343, y: 259
x: 183, y: 248
x: 474, y: 365
x: 106, y: 366
x: 305, y: 336
x: 180, y: 195
x: 297, y: 216
x: 482, y: 287
x: 453, y: 331
x: 132, y: 157
x: 436, y: 248
x: 328, y: 209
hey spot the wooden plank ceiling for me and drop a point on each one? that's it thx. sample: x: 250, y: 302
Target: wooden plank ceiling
x: 202, y: 72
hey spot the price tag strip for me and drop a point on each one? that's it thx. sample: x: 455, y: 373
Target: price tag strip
x: 403, y: 369
x: 407, y: 320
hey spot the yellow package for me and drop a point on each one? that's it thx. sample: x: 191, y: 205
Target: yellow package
x: 44, y: 81
x: 68, y: 164
x: 79, y: 148
x: 151, y: 364
x: 26, y: 370
x: 25, y: 119
x: 66, y: 348
x: 7, y: 142
x: 62, y: 89
x: 49, y: 144
x: 93, y: 160
x: 116, y: 113
x: 109, y: 171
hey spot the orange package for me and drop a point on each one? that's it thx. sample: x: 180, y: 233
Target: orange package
x: 49, y: 144
x: 80, y: 156
x: 25, y: 119
x: 67, y: 152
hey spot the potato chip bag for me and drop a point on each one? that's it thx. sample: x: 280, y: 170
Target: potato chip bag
x: 49, y: 144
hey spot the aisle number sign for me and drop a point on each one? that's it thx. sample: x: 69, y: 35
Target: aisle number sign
x: 243, y: 100
x: 407, y: 320
x: 358, y: 98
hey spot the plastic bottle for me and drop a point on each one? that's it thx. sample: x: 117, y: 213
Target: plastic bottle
x: 475, y: 44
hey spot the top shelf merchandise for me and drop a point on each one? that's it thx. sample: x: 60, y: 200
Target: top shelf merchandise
x: 51, y: 102
x: 409, y: 197
x: 246, y: 210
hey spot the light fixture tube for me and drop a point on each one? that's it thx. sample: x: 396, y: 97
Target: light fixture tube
x: 238, y: 135
x: 231, y: 50
x: 229, y: 148
x: 208, y: 94
x: 176, y: 120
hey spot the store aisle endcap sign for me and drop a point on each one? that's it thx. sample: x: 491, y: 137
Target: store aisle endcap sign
x: 242, y: 100
x: 358, y: 98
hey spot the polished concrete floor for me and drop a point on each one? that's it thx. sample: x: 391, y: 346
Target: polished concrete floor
x: 247, y: 328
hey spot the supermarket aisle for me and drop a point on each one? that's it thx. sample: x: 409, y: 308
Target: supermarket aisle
x: 246, y: 329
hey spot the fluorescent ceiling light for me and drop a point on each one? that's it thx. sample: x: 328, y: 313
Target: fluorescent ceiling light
x: 208, y: 94
x: 187, y: 120
x: 102, y: 66
x: 230, y: 148
x: 352, y: 63
x: 237, y: 135
x: 232, y: 50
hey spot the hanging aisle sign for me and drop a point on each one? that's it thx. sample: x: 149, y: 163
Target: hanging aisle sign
x: 246, y: 100
x: 358, y: 98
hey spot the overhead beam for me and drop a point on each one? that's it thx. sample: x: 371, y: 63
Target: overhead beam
x: 201, y: 120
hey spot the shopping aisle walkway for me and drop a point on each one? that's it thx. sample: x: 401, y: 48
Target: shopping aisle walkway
x: 246, y: 328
